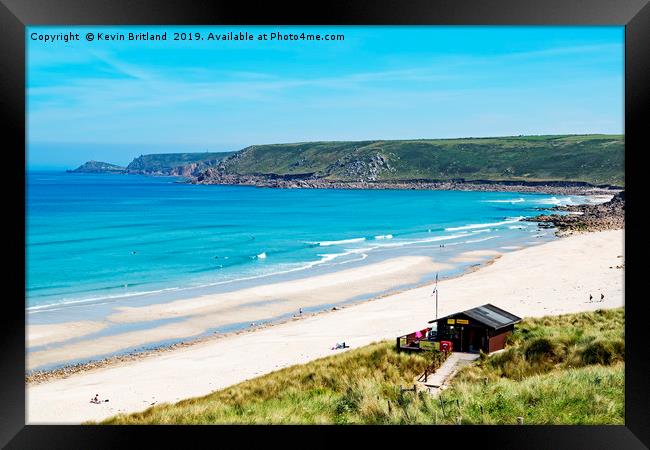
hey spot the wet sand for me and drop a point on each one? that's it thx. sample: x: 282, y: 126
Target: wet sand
x: 207, y: 312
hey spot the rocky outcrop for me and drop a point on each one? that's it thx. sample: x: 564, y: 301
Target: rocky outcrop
x: 218, y: 175
x: 581, y: 218
x: 361, y: 168
x: 98, y: 167
x: 191, y: 170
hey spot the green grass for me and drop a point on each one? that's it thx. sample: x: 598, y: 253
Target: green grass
x: 565, y: 369
x: 591, y: 395
x: 336, y: 389
x: 555, y: 342
x: 595, y: 159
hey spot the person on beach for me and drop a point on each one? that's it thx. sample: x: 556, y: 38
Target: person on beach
x: 300, y: 311
x: 590, y: 298
x: 95, y: 399
x: 602, y: 297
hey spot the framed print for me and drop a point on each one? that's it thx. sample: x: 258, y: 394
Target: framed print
x: 360, y: 214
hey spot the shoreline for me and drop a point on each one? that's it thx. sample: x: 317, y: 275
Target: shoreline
x: 548, y: 279
x: 167, y: 323
x: 35, y: 377
x: 551, y: 187
x: 541, y: 187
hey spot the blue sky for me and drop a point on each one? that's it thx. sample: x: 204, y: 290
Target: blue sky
x: 112, y: 101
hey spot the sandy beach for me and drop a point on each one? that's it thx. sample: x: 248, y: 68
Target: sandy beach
x: 206, y: 312
x: 552, y: 278
x: 49, y: 334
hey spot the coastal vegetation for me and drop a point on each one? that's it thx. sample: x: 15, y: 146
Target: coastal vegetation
x: 566, y: 369
x: 560, y: 159
x: 594, y: 159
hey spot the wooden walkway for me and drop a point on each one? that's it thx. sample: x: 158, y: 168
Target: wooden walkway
x: 437, y: 381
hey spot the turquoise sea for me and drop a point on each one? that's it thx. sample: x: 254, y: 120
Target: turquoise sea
x: 103, y: 239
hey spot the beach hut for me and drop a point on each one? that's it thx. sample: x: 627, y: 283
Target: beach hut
x: 483, y: 328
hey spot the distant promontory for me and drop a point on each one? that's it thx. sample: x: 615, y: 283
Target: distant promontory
x: 162, y: 164
x: 98, y: 167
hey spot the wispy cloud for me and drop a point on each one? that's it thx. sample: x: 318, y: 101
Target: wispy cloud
x: 117, y: 93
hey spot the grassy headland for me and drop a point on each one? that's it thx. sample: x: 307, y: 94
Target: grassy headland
x: 565, y: 369
x: 593, y: 159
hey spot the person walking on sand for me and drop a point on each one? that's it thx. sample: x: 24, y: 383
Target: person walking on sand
x: 602, y: 297
x: 590, y: 298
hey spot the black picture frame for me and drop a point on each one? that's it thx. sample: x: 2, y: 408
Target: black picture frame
x: 15, y: 15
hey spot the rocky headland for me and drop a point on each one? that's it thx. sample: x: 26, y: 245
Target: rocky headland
x: 585, y: 218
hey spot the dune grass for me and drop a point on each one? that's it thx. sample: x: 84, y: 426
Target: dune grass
x: 330, y: 390
x: 565, y: 369
x: 591, y: 395
x: 549, y: 343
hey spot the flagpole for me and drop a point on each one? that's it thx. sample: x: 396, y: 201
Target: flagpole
x: 436, y: 304
x: 436, y: 296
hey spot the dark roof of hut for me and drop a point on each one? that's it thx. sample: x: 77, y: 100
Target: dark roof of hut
x: 488, y: 315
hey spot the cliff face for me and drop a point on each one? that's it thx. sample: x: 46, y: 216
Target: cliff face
x: 177, y: 164
x: 98, y: 167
